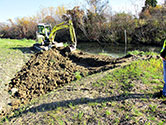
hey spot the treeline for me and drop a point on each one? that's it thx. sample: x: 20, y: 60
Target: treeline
x: 26, y: 27
x: 97, y: 24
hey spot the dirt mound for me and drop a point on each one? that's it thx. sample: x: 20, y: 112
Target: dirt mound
x: 47, y: 70
x: 42, y: 73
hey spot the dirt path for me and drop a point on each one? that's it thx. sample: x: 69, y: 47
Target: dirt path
x: 11, y: 61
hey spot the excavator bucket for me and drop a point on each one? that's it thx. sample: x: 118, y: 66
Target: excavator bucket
x: 72, y: 48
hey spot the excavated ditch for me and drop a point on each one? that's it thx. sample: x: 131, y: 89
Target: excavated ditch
x: 48, y: 70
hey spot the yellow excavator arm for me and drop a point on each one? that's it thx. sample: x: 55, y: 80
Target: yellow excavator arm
x: 64, y: 25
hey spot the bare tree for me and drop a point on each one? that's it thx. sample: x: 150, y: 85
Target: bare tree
x: 98, y: 6
x: 137, y: 5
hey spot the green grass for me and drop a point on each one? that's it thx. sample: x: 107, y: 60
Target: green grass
x: 136, y: 52
x: 13, y: 43
x: 148, y: 73
x: 12, y: 47
x: 13, y: 53
x: 142, y: 76
x: 104, y: 54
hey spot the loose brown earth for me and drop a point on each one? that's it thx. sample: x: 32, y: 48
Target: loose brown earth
x: 51, y: 69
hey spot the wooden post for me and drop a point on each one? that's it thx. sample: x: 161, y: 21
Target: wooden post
x: 125, y: 41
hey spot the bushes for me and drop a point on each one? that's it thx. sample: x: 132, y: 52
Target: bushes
x: 93, y: 25
x: 119, y: 23
x: 153, y: 29
x: 149, y: 29
x: 22, y: 28
x: 151, y: 32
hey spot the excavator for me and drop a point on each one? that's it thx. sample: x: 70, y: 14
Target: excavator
x: 46, y: 34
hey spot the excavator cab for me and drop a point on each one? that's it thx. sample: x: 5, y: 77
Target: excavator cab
x: 42, y: 33
x: 41, y: 27
x: 46, y: 35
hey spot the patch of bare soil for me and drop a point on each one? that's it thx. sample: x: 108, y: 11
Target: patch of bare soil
x: 51, y: 69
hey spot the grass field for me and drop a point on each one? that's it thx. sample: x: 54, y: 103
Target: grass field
x: 122, y: 96
x: 13, y: 55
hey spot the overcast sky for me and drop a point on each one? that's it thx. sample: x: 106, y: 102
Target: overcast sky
x: 12, y: 9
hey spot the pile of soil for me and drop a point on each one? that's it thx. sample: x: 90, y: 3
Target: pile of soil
x: 48, y: 70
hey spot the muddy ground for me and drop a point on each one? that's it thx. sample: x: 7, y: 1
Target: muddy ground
x: 49, y: 70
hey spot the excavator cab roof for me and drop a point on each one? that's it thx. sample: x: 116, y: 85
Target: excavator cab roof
x: 44, y: 24
x: 41, y: 26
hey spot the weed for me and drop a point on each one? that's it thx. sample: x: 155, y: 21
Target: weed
x: 96, y: 84
x: 136, y: 112
x: 144, y: 99
x: 107, y: 112
x: 153, y: 108
x: 136, y: 52
x: 161, y: 123
x: 104, y: 104
x: 117, y: 120
x: 60, y: 122
x: 80, y: 115
x: 127, y: 116
x: 82, y: 99
x: 71, y: 105
x: 78, y: 75
x: 5, y: 119
x: 113, y: 104
x: 92, y: 104
x: 147, y: 123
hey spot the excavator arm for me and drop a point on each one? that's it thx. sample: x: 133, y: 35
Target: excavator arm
x: 64, y: 25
